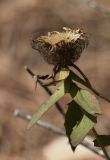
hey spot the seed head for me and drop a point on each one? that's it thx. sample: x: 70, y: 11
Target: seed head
x: 61, y: 49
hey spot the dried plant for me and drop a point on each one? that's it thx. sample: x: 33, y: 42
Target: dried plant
x: 62, y: 49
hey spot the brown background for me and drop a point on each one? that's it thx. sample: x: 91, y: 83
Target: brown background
x: 22, y: 20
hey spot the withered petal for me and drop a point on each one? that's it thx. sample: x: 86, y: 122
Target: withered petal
x: 61, y: 48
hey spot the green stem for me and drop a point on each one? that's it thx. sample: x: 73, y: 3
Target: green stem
x: 100, y: 144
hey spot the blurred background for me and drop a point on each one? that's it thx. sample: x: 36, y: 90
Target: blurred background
x: 20, y: 22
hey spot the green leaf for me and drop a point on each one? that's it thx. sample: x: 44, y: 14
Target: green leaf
x: 77, y: 124
x: 63, y: 74
x: 86, y: 100
x: 81, y: 129
x: 104, y: 140
x: 73, y: 115
x: 50, y: 102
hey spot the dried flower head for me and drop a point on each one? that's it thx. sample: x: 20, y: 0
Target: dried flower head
x: 61, y: 49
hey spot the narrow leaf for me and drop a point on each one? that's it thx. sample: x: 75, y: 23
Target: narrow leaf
x: 73, y: 115
x: 77, y: 124
x: 81, y: 129
x: 46, y: 105
x: 104, y: 140
x: 86, y: 100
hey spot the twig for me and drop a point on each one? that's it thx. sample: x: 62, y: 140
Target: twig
x: 83, y: 75
x: 41, y: 123
x: 86, y: 142
x: 59, y: 108
x: 100, y: 95
x: 89, y: 85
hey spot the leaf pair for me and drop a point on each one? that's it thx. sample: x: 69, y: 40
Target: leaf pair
x: 81, y: 115
x: 85, y: 100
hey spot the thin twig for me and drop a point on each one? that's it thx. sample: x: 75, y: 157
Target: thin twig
x: 83, y: 75
x: 59, y: 108
x: 41, y: 123
x: 86, y: 142
x: 100, y: 144
x: 89, y: 85
x: 100, y: 95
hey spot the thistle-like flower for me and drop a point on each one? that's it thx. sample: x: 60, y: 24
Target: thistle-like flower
x: 61, y: 49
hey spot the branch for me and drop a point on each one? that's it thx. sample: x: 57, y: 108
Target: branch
x: 89, y: 85
x: 86, y: 142
x: 82, y: 74
x: 41, y: 123
x: 89, y: 145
